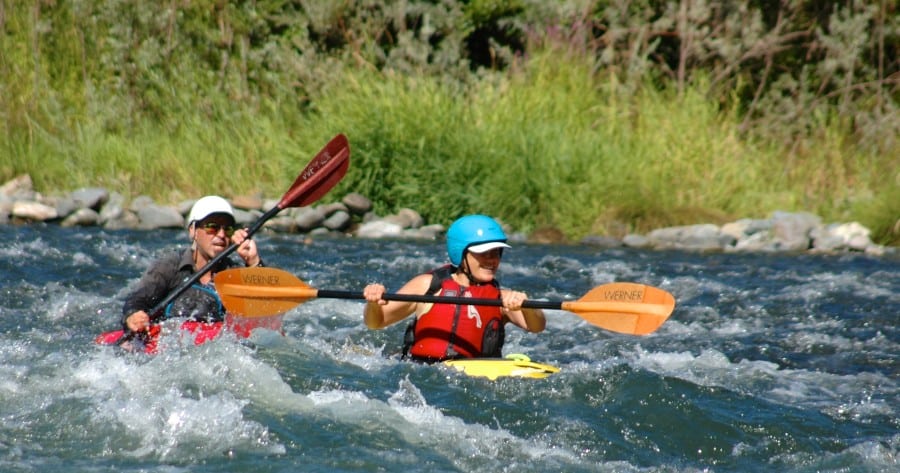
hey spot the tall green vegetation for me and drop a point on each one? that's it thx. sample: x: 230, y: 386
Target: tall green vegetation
x: 587, y: 115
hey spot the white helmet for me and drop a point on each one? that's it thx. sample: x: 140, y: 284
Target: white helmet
x: 206, y: 206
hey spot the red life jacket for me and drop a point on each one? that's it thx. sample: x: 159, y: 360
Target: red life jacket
x: 449, y: 331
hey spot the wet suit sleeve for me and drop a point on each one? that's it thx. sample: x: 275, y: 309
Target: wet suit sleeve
x: 156, y: 283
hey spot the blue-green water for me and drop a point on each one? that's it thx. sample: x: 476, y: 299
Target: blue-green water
x: 786, y: 363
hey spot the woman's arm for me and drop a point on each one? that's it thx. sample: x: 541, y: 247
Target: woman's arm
x: 531, y: 320
x: 379, y: 313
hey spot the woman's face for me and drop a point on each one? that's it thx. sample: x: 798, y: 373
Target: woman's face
x: 483, y: 266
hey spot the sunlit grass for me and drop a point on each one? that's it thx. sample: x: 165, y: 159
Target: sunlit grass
x: 551, y: 143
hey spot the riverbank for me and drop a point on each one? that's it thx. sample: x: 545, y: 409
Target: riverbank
x: 352, y: 215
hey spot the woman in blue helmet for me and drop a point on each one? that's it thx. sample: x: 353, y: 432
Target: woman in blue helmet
x: 439, y: 332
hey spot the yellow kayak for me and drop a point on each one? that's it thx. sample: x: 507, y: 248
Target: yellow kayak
x: 518, y: 366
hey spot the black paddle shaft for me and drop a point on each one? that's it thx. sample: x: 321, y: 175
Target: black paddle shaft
x: 161, y: 306
x: 529, y: 304
x: 158, y: 308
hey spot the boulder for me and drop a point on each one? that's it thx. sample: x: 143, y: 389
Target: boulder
x: 696, y: 237
x: 634, y: 240
x: 154, y: 216
x: 337, y: 221
x: 90, y: 197
x: 82, y: 217
x: 113, y: 208
x: 357, y: 204
x: 601, y: 241
x: 328, y: 209
x: 247, y: 202
x: 308, y: 218
x: 19, y: 188
x: 379, y: 229
x: 791, y: 231
x: 33, y: 211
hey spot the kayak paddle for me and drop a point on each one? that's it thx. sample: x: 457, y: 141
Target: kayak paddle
x: 325, y: 170
x: 622, y: 307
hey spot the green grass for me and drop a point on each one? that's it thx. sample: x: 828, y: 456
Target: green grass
x: 551, y: 143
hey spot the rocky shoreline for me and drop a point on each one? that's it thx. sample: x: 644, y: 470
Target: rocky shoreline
x: 352, y: 215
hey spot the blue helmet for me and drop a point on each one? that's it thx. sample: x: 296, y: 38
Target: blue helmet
x: 471, y: 230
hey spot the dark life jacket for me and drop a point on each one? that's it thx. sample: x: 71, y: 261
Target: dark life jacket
x: 199, y: 302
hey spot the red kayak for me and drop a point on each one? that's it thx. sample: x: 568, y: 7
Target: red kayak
x: 200, y: 332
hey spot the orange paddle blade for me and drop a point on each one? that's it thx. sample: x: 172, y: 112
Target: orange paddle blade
x: 634, y: 309
x: 261, y: 292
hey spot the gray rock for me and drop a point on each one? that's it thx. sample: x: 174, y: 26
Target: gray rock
x: 357, y: 204
x: 432, y: 231
x: 338, y: 221
x: 19, y: 187
x: 413, y: 219
x: 791, y: 231
x: 33, y: 211
x: 247, y: 202
x: 695, y: 237
x: 308, y: 218
x: 601, y: 241
x: 184, y: 207
x: 245, y: 217
x: 425, y: 232
x: 66, y: 206
x: 406, y: 218
x: 860, y: 243
x: 82, y: 217
x: 5, y: 210
x: 379, y: 229
x: 845, y: 236
x: 319, y: 231
x: 154, y: 216
x: 634, y: 240
x: 745, y: 227
x: 90, y: 197
x: 140, y: 202
x: 878, y: 250
x: 759, y: 241
x: 329, y: 209
x: 124, y: 220
x: 113, y: 209
x: 281, y: 224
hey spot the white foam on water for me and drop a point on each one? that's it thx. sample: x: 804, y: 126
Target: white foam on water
x: 180, y: 405
x: 813, y: 286
x: 15, y: 364
x: 468, y: 446
x: 614, y: 270
x: 393, y: 271
x: 471, y: 446
x: 881, y: 456
x: 831, y: 393
x: 131, y: 254
x: 33, y: 249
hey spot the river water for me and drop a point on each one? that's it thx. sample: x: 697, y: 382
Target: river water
x: 770, y: 362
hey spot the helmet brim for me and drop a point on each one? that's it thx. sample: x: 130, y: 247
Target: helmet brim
x: 485, y: 247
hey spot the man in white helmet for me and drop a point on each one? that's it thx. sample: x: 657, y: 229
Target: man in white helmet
x: 212, y: 229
